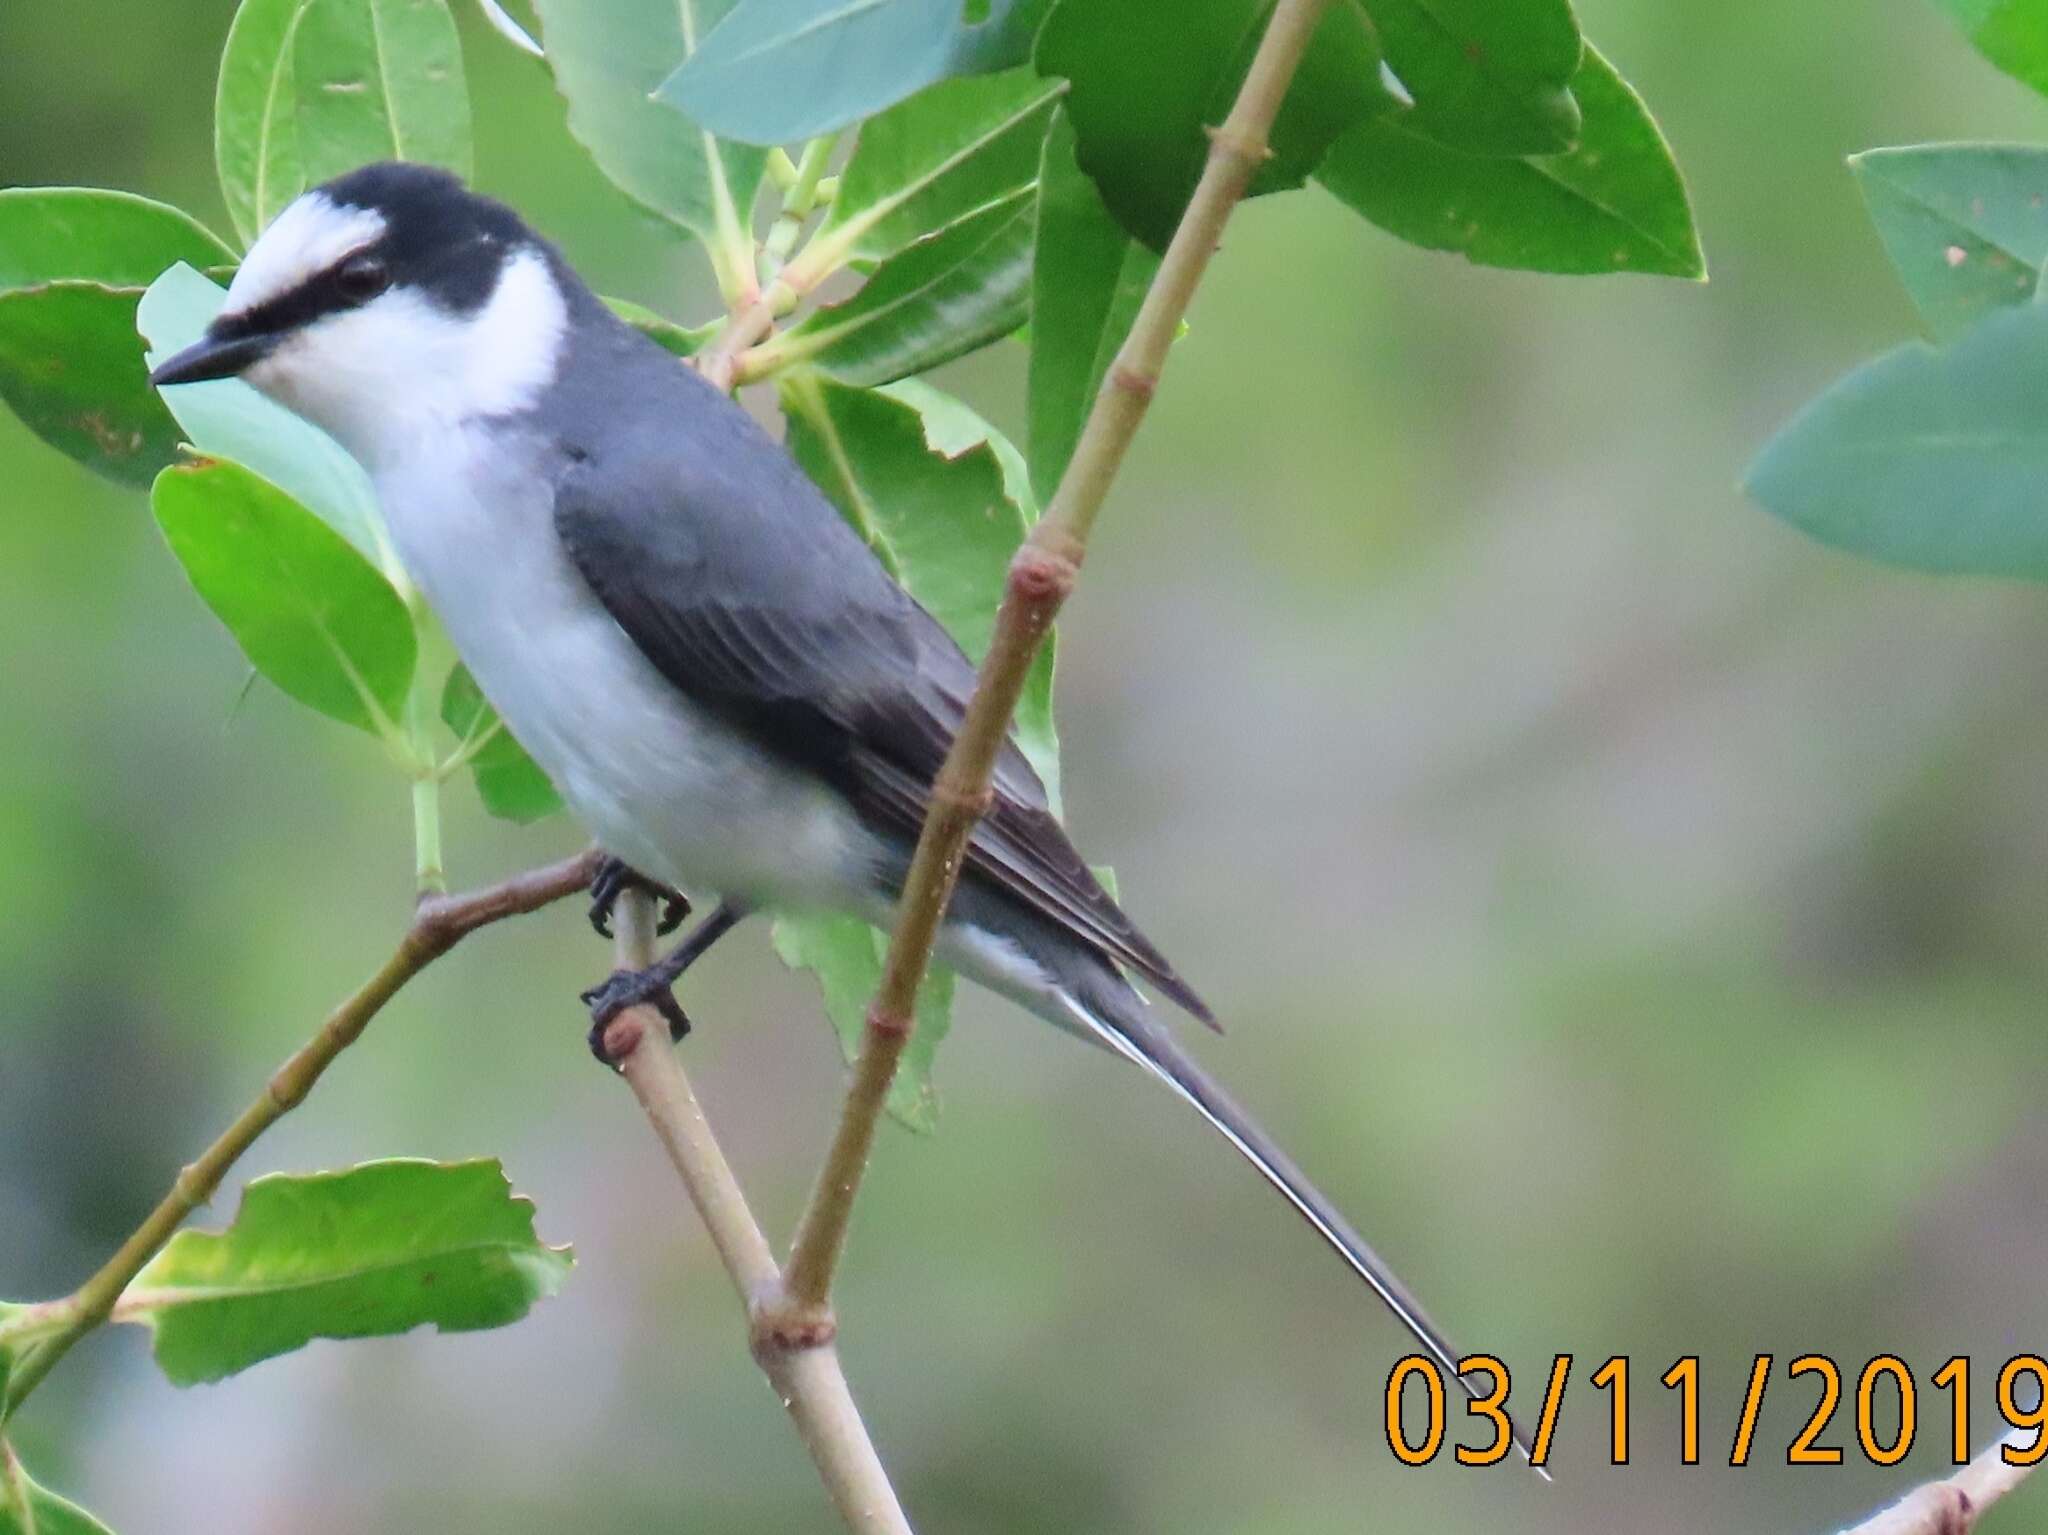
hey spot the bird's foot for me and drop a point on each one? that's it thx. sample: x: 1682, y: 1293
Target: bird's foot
x: 614, y: 878
x: 632, y: 988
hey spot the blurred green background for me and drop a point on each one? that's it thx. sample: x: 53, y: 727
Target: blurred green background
x: 1631, y: 913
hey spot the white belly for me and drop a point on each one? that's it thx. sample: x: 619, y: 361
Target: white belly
x: 655, y: 779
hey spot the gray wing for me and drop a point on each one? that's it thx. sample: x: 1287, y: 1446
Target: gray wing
x: 747, y: 590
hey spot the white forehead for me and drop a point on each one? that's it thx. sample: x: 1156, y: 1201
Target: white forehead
x: 308, y: 237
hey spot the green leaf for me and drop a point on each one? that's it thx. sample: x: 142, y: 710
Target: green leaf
x: 70, y: 367
x: 372, y: 1251
x: 255, y: 116
x: 379, y: 80
x: 953, y: 428
x: 510, y: 783
x: 846, y: 955
x: 84, y: 234
x: 943, y: 154
x: 776, y: 71
x: 677, y: 340
x: 1088, y: 279
x: 2012, y: 34
x: 1965, y: 224
x: 943, y: 499
x: 1489, y: 77
x: 607, y: 56
x: 73, y: 264
x: 9, y: 1349
x: 1928, y: 457
x: 1616, y: 203
x: 936, y: 299
x: 1146, y: 91
x: 310, y: 612
x: 228, y: 419
x: 29, y: 1509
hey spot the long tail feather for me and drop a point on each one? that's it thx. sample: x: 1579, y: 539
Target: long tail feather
x: 1151, y: 1047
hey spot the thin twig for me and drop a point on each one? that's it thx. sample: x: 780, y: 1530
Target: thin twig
x: 803, y: 1369
x: 1954, y: 1505
x: 1041, y: 575
x: 439, y: 923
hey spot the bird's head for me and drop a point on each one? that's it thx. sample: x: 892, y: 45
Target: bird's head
x: 386, y: 304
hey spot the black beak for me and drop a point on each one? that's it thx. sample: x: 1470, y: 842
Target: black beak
x: 212, y: 357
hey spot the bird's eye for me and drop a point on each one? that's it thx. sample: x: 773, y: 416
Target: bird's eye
x: 362, y: 278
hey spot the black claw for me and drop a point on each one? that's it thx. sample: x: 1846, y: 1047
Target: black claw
x: 631, y: 988
x: 614, y: 878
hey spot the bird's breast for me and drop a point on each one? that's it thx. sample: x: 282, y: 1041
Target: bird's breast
x: 656, y: 778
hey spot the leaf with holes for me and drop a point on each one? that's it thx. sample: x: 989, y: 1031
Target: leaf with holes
x: 228, y: 419
x: 1146, y: 89
x: 1966, y: 225
x: 846, y: 955
x: 936, y: 299
x: 953, y: 430
x: 372, y: 1251
x: 84, y: 234
x: 310, y: 613
x: 73, y: 265
x: 1616, y: 203
x: 71, y: 368
x: 945, y: 153
x: 1488, y: 77
x: 776, y: 71
x: 510, y: 783
x: 1088, y: 278
x: 1928, y: 457
x: 256, y: 116
x: 607, y: 56
x: 28, y: 1508
x: 379, y: 80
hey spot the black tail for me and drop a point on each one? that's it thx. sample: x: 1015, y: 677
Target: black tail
x: 1142, y: 1039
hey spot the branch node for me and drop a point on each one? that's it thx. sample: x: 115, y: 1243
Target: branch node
x: 435, y: 928
x: 1138, y: 381
x: 1041, y: 576
x: 778, y: 1324
x: 887, y: 1023
x: 192, y: 1188
x: 282, y: 1095
x: 622, y: 1036
x: 1246, y: 147
x: 972, y: 799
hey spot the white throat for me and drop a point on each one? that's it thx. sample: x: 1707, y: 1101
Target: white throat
x: 388, y: 378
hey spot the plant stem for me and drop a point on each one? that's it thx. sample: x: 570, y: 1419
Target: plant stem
x: 1954, y: 1505
x: 439, y: 923
x: 433, y: 657
x: 1042, y: 574
x: 810, y: 171
x: 804, y: 1369
x: 800, y: 199
x: 430, y: 871
x: 719, y: 360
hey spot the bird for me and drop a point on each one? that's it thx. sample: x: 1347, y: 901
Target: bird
x: 724, y: 682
